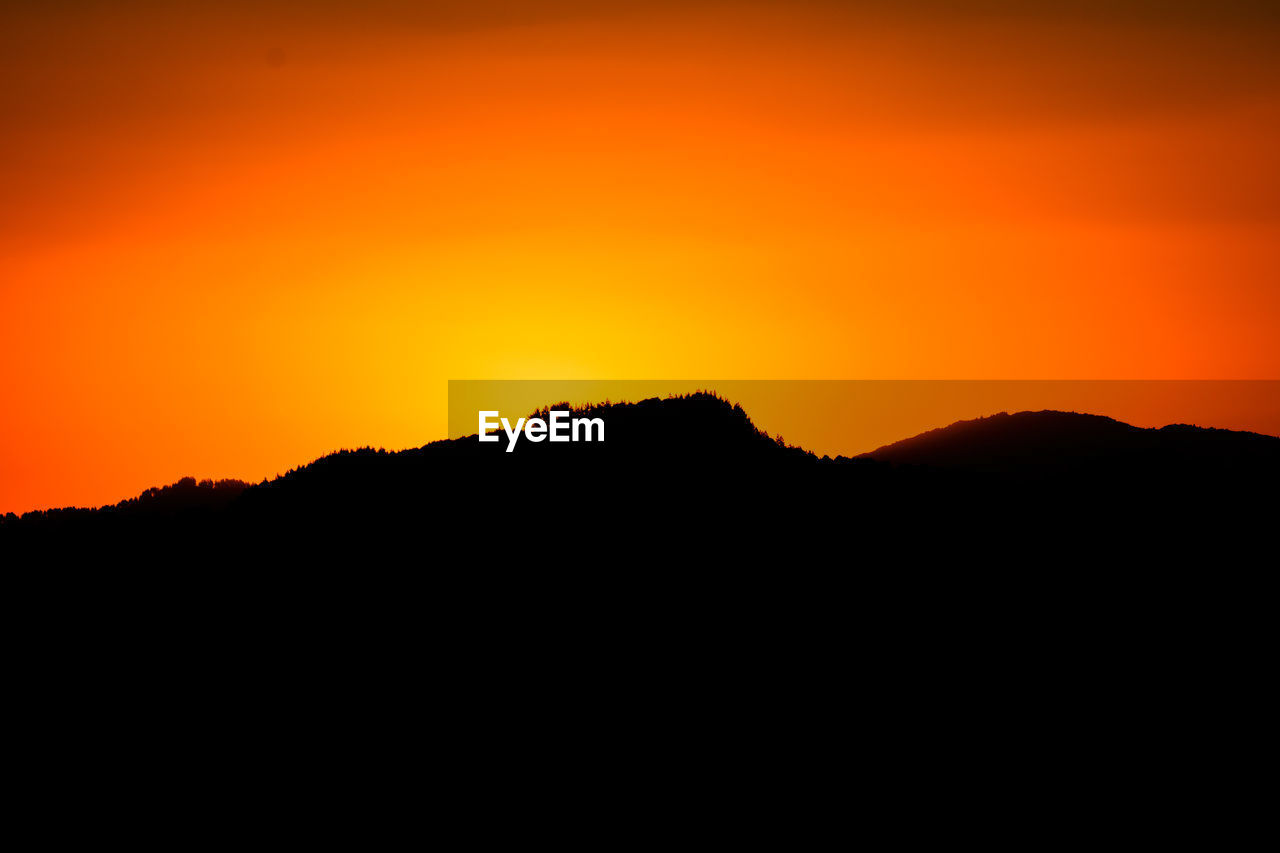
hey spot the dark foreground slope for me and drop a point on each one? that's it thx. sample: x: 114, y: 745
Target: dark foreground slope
x: 697, y: 467
x: 690, y: 595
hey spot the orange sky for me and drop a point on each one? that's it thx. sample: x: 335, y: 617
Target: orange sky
x: 234, y: 239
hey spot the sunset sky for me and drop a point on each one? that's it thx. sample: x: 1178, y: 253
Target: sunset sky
x: 237, y: 235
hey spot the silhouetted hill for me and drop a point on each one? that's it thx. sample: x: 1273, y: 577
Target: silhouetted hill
x: 1049, y: 444
x: 690, y: 562
x: 683, y: 463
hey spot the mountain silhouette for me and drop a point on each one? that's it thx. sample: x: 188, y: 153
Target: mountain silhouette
x: 1051, y: 444
x: 684, y: 462
x: 690, y: 564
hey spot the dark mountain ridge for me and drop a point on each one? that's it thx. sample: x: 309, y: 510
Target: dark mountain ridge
x: 689, y: 537
x: 1045, y: 443
x: 682, y: 458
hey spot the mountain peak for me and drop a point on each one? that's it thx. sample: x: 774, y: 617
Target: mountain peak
x: 1038, y: 440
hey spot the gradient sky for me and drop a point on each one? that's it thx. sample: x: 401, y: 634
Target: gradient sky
x: 237, y: 235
